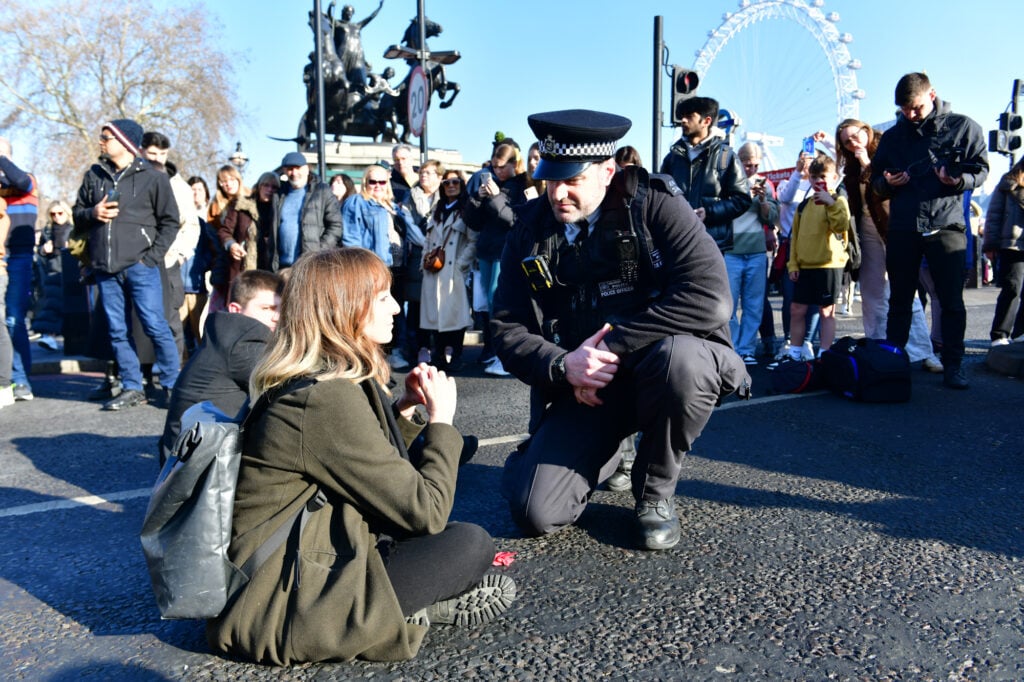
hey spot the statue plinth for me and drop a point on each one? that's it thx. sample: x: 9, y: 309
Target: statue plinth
x: 356, y: 156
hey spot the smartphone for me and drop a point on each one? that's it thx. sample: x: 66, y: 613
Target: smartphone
x: 485, y: 177
x: 809, y: 145
x: 113, y: 196
x: 819, y: 186
x: 760, y: 181
x: 893, y: 171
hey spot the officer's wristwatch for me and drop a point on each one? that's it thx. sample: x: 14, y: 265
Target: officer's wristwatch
x: 558, y: 369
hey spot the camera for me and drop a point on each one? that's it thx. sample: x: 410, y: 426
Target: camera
x: 538, y: 272
x: 951, y: 157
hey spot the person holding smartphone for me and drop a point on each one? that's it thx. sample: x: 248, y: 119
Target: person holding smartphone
x: 746, y: 260
x: 817, y: 254
x: 129, y: 233
x: 495, y: 194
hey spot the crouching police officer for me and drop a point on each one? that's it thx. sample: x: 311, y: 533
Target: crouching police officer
x: 613, y: 304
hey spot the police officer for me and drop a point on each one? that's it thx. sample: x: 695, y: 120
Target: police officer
x: 613, y: 304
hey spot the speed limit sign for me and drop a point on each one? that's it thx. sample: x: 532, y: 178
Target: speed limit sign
x: 419, y: 97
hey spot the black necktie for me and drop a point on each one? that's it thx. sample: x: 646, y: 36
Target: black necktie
x: 584, y: 227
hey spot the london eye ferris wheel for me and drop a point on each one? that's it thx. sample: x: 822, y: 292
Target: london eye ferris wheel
x: 783, y: 70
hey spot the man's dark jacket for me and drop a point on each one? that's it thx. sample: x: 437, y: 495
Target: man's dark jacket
x: 692, y: 295
x: 714, y: 181
x: 320, y: 225
x: 925, y: 203
x: 147, y: 220
x: 219, y: 371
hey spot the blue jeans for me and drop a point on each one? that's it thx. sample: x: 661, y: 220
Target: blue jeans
x: 747, y: 281
x: 489, y: 271
x: 139, y: 284
x: 19, y: 295
x: 5, y: 339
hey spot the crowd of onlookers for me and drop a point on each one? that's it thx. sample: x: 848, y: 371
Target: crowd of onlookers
x: 143, y: 302
x: 440, y: 231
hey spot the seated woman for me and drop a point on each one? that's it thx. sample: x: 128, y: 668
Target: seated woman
x: 379, y: 561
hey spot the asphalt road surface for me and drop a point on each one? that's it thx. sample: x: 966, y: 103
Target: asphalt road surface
x: 822, y: 539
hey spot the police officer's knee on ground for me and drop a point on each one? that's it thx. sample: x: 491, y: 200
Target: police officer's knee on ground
x: 613, y: 304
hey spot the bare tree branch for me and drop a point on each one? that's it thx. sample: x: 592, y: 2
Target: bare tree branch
x: 71, y: 65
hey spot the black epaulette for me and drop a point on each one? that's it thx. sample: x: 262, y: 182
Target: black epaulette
x: 665, y: 183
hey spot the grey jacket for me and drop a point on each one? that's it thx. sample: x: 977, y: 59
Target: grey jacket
x: 1004, y: 221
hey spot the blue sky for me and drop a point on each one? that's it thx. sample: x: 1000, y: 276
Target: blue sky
x: 531, y: 55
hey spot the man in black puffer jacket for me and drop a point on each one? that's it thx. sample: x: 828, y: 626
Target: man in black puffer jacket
x: 708, y: 171
x: 923, y: 165
x: 127, y: 208
x: 307, y: 217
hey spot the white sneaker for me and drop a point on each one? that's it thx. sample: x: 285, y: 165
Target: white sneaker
x: 783, y: 351
x: 932, y: 364
x: 7, y: 396
x: 49, y: 343
x: 808, y: 350
x: 397, y: 360
x: 1000, y: 342
x: 496, y: 369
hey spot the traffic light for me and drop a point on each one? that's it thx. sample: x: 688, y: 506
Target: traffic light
x: 684, y: 86
x: 1007, y: 139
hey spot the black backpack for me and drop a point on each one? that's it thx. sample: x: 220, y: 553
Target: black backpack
x: 867, y: 370
x: 796, y: 376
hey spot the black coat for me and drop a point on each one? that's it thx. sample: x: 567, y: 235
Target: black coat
x: 493, y: 217
x: 714, y: 181
x: 320, y: 225
x: 925, y: 203
x: 147, y: 220
x: 219, y: 371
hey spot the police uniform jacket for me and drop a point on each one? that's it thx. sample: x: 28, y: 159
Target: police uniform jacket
x: 683, y: 291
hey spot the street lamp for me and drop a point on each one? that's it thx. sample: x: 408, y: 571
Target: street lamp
x: 239, y: 160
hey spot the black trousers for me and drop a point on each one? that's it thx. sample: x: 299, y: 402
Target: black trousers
x: 430, y: 568
x: 1008, y: 320
x: 945, y: 252
x: 667, y: 393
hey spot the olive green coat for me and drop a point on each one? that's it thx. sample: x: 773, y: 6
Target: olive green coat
x: 339, y: 603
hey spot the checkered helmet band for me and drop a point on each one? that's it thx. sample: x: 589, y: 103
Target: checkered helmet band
x: 564, y: 151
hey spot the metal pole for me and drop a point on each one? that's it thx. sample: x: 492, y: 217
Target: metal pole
x: 423, y: 65
x: 321, y: 112
x: 1013, y: 109
x: 656, y: 103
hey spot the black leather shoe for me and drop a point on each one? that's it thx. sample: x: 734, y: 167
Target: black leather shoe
x: 659, y: 524
x: 954, y: 377
x: 470, y: 444
x: 128, y: 398
x: 110, y: 388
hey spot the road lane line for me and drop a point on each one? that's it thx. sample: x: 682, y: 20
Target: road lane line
x: 85, y: 501
x: 96, y: 500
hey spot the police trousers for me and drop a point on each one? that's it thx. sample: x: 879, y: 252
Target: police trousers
x: 667, y: 393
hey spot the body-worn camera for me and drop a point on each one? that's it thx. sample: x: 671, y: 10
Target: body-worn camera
x: 538, y: 272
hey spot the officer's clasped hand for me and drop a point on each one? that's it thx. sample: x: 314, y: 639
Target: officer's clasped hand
x: 591, y: 367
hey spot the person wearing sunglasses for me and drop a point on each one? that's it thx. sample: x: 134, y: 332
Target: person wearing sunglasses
x: 48, y: 321
x: 375, y: 221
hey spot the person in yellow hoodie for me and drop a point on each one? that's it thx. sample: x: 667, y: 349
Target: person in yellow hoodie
x: 818, y: 254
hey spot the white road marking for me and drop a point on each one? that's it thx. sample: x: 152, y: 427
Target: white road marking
x: 96, y: 500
